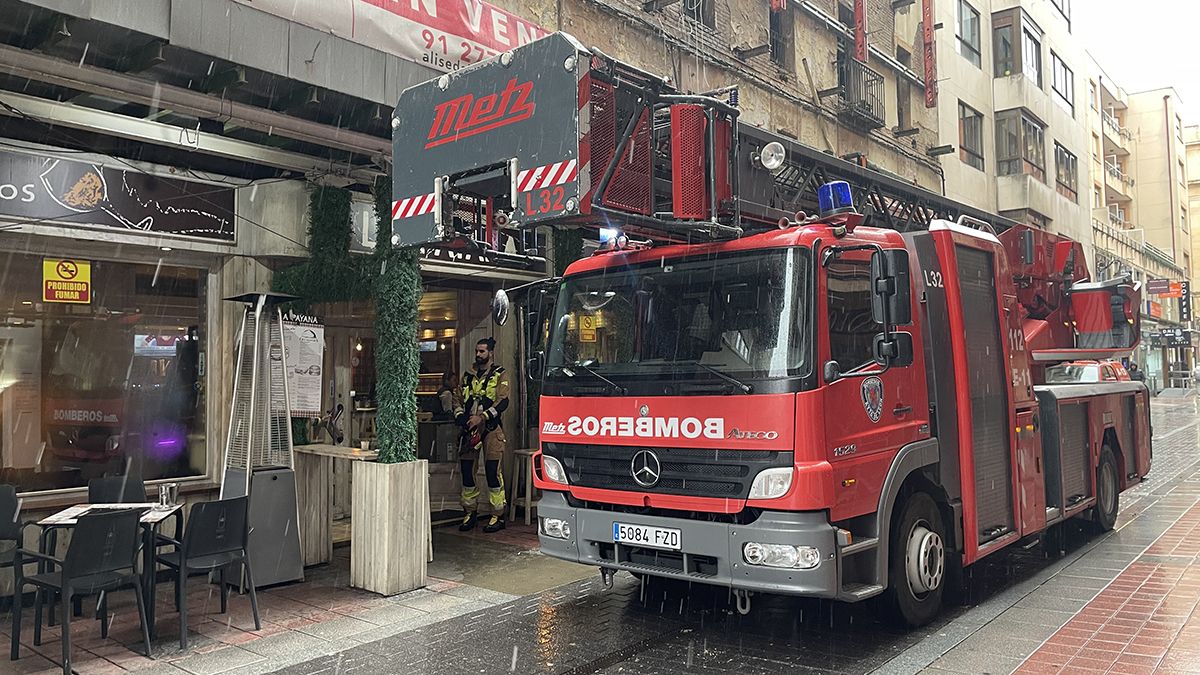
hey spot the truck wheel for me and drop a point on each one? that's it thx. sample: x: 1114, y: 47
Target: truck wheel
x: 1108, y: 492
x: 916, y: 562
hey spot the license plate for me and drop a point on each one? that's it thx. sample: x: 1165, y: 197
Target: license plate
x: 645, y: 535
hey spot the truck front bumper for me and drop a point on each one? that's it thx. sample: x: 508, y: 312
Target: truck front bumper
x: 711, y: 552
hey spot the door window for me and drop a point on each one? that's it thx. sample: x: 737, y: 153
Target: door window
x: 852, y: 329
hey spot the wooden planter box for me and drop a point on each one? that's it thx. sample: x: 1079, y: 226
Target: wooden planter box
x: 389, y: 526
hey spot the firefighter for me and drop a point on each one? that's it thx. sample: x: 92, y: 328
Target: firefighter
x: 484, y: 399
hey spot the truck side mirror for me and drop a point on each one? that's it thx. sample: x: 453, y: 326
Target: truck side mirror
x: 891, y: 287
x: 832, y: 371
x: 894, y: 349
x: 500, y: 307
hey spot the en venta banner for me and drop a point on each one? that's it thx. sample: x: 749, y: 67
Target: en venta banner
x: 442, y: 34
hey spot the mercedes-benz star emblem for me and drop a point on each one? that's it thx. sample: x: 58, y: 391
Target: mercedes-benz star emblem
x: 645, y: 468
x: 644, y: 411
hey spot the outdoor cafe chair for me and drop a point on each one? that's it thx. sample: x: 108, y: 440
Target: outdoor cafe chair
x: 116, y: 490
x: 102, y: 557
x: 213, y: 541
x: 105, y: 490
x: 11, y: 529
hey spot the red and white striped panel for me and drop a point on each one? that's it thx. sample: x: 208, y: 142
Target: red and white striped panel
x: 412, y: 206
x: 546, y: 176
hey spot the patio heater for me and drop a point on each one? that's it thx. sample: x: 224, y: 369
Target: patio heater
x: 258, y: 450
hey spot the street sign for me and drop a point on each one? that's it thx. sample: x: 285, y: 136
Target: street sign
x: 68, y: 281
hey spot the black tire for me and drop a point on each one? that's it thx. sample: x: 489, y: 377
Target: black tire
x: 917, y: 528
x: 1108, y: 492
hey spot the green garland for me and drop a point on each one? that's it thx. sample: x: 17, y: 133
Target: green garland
x: 331, y: 273
x: 397, y: 361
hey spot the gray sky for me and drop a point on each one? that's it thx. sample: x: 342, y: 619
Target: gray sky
x: 1145, y: 44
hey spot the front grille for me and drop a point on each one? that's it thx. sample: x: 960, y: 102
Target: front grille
x: 686, y: 472
x: 655, y: 559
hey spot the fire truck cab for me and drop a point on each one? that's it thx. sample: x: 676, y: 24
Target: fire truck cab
x: 843, y: 405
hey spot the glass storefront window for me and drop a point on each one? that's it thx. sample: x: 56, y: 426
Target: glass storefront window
x: 109, y: 382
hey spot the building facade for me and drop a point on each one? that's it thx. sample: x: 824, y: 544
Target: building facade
x: 1140, y: 211
x: 1013, y: 103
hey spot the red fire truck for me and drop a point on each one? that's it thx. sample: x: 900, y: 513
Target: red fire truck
x: 844, y: 405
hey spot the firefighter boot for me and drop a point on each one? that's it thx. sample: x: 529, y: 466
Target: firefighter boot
x: 470, y: 498
x: 494, y: 524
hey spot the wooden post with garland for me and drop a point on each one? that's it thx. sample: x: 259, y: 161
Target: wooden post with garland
x: 397, y: 361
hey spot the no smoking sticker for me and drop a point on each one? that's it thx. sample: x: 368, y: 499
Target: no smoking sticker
x: 67, y: 280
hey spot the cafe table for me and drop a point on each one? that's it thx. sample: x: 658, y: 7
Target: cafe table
x: 152, y: 517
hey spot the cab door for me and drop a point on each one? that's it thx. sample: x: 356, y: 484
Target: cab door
x: 870, y: 412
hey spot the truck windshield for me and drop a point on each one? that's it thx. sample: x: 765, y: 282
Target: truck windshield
x: 743, y: 315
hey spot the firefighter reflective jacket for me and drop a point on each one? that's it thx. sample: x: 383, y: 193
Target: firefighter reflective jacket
x: 484, y: 394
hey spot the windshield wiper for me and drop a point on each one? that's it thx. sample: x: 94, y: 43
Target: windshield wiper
x: 618, y: 389
x: 746, y: 389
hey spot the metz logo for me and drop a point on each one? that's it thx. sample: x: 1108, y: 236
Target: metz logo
x: 467, y: 116
x: 554, y: 429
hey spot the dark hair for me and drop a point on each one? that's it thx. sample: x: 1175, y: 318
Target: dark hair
x: 490, y: 342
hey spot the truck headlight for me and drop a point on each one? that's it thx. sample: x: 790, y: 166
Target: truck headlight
x: 781, y: 555
x: 553, y: 469
x: 772, y: 483
x: 556, y: 528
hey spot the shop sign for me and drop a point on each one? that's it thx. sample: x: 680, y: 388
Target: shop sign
x: 304, y: 353
x: 1174, y: 290
x: 66, y: 280
x: 1171, y: 337
x: 1158, y: 286
x: 587, y: 328
x: 1185, y: 301
x: 66, y: 192
x: 443, y: 35
x: 1155, y: 309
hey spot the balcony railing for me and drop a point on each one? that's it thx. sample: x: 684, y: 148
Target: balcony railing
x: 860, y: 95
x: 1115, y: 127
x: 1115, y: 172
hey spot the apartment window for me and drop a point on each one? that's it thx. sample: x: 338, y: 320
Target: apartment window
x: 1031, y: 56
x: 1097, y: 197
x: 1181, y: 174
x: 1020, y: 145
x: 968, y: 32
x: 1064, y: 8
x: 1096, y: 148
x: 970, y: 135
x: 1183, y: 220
x: 1179, y: 128
x: 1093, y: 99
x: 780, y: 25
x: 903, y: 92
x: 1002, y: 51
x: 1062, y: 82
x: 1066, y: 173
x: 700, y: 11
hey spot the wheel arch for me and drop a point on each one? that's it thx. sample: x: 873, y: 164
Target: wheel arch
x: 904, y: 476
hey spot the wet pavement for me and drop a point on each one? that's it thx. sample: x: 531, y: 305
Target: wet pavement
x: 494, y: 605
x: 1013, y: 603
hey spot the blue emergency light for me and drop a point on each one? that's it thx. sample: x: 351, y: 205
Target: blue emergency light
x: 835, y: 198
x: 609, y: 234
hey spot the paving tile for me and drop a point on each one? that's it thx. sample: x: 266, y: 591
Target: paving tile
x: 337, y: 628
x: 217, y: 661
